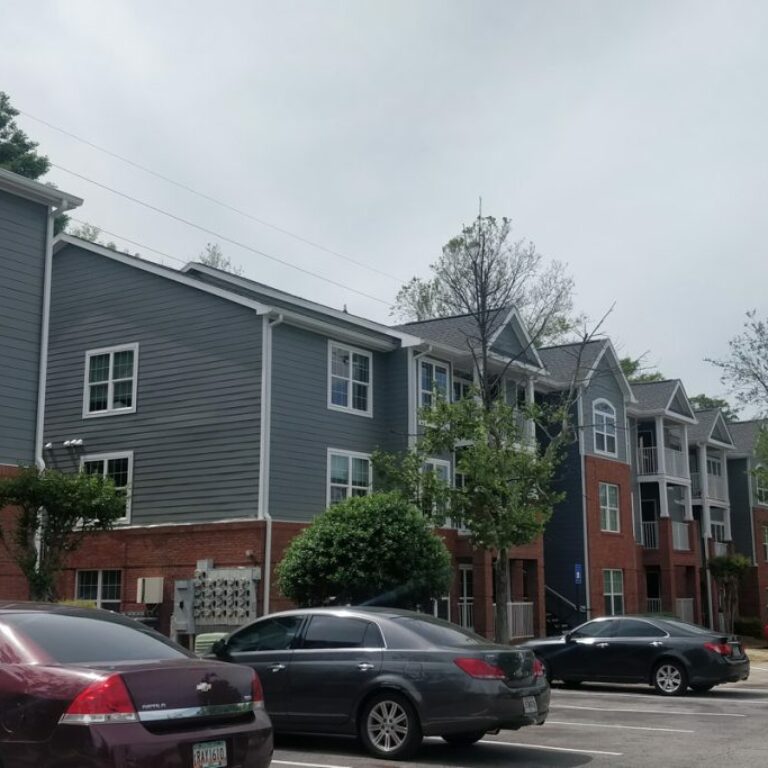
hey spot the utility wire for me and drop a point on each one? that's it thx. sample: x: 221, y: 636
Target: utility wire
x: 212, y: 199
x: 226, y: 239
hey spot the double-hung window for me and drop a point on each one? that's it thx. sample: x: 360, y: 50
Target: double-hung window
x: 349, y: 474
x: 609, y: 507
x: 613, y: 592
x: 440, y: 469
x: 761, y: 487
x: 350, y: 376
x: 118, y: 467
x: 100, y: 587
x: 461, y: 388
x: 433, y: 381
x: 110, y: 380
x: 604, y: 427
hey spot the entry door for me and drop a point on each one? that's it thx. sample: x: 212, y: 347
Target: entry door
x: 337, y: 661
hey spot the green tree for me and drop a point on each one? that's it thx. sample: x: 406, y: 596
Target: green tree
x: 213, y: 256
x: 745, y: 369
x: 92, y: 234
x: 51, y: 514
x: 506, y: 492
x: 635, y: 372
x: 375, y: 549
x: 728, y: 572
x: 519, y: 275
x: 18, y: 153
x: 704, y: 402
x: 761, y: 460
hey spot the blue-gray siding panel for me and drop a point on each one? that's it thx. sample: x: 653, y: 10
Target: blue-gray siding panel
x: 741, y: 505
x: 304, y: 428
x: 195, y: 433
x: 22, y: 267
x: 604, y: 385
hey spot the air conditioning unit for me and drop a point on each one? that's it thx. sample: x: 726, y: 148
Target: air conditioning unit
x: 149, y: 590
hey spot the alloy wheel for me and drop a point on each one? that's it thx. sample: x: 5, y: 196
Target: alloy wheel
x: 669, y: 678
x: 387, y: 725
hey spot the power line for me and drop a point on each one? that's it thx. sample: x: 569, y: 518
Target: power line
x: 212, y: 199
x: 226, y: 239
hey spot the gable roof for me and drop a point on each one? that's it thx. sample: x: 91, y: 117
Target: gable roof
x: 711, y: 428
x: 37, y: 192
x: 460, y: 331
x: 578, y: 362
x: 744, y: 434
x: 663, y: 398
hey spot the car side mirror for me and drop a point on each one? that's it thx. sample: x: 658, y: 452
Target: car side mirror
x: 219, y: 648
x: 569, y: 637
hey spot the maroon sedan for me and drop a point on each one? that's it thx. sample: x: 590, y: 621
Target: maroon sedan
x: 83, y: 688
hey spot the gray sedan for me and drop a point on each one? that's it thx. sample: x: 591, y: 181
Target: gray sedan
x: 387, y: 676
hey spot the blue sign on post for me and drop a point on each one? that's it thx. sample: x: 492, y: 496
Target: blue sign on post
x: 578, y: 573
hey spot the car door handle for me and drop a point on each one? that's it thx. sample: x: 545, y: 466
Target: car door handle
x: 277, y: 667
x: 364, y: 666
x: 601, y: 645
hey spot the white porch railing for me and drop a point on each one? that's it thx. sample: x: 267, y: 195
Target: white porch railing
x: 720, y: 548
x: 647, y: 463
x: 466, y: 613
x: 676, y: 463
x: 684, y: 609
x: 651, y: 534
x: 715, y: 486
x: 654, y: 605
x: 696, y: 484
x: 680, y: 537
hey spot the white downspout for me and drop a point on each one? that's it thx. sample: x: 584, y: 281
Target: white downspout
x: 265, y: 448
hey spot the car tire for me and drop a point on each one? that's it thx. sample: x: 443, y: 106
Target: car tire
x: 463, y: 739
x: 702, y: 687
x: 670, y: 678
x: 389, y: 726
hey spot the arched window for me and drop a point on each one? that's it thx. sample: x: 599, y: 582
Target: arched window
x: 604, y: 420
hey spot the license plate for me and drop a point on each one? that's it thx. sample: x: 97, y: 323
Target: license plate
x: 736, y: 650
x: 209, y: 754
x: 530, y: 706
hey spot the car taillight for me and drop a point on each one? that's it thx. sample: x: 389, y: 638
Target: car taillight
x: 538, y: 668
x: 105, y: 701
x: 723, y: 649
x: 480, y: 668
x: 257, y: 693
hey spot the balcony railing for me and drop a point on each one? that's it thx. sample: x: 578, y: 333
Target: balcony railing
x: 647, y: 463
x: 676, y: 462
x: 684, y: 609
x: 720, y: 548
x: 651, y: 534
x: 680, y: 537
x: 466, y: 613
x: 653, y: 605
x: 715, y: 486
x: 519, y: 619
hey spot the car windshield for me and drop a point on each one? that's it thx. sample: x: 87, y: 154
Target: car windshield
x: 77, y: 639
x: 439, y: 632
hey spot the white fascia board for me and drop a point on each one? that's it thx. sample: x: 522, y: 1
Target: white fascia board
x: 529, y: 345
x: 639, y: 413
x: 37, y: 192
x: 679, y: 388
x: 155, y: 269
x: 405, y: 339
x: 334, y: 331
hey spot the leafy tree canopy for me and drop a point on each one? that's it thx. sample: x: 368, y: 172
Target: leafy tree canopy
x: 58, y: 508
x: 484, y: 253
x: 635, y: 371
x: 704, y: 402
x: 375, y: 549
x: 213, y: 256
x: 18, y: 153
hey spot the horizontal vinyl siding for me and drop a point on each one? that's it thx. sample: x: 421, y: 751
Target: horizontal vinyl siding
x: 22, y: 267
x: 605, y: 386
x: 303, y: 427
x: 195, y: 433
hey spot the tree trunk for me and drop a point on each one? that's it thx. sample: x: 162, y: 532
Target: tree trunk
x: 501, y: 578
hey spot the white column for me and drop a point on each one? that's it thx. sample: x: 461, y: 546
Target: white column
x: 706, y: 522
x: 686, y: 462
x: 727, y: 519
x: 688, y: 504
x: 530, y: 425
x: 703, y: 475
x: 661, y: 459
x: 663, y: 499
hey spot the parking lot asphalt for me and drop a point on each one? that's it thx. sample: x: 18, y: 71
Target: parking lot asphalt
x: 598, y: 725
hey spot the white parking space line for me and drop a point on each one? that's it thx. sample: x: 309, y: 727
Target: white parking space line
x: 623, y: 727
x: 646, y: 711
x: 762, y: 669
x: 307, y: 765
x: 551, y: 749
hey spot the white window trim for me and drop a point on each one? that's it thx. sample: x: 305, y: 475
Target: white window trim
x: 86, y: 384
x: 765, y: 543
x: 608, y: 507
x: 449, y: 473
x: 99, y: 584
x: 348, y: 408
x: 349, y: 455
x: 603, y: 401
x: 761, y: 493
x: 105, y: 457
x: 613, y: 594
x: 460, y: 380
x: 441, y: 364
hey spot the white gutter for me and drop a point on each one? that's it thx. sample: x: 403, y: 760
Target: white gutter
x: 585, y: 527
x: 264, y: 449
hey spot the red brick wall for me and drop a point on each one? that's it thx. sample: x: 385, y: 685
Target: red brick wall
x: 610, y: 550
x: 754, y: 593
x: 12, y: 584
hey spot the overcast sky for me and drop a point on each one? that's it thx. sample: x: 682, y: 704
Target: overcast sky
x: 627, y: 139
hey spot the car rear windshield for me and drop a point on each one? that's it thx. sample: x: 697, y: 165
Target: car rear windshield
x: 71, y: 639
x: 438, y: 632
